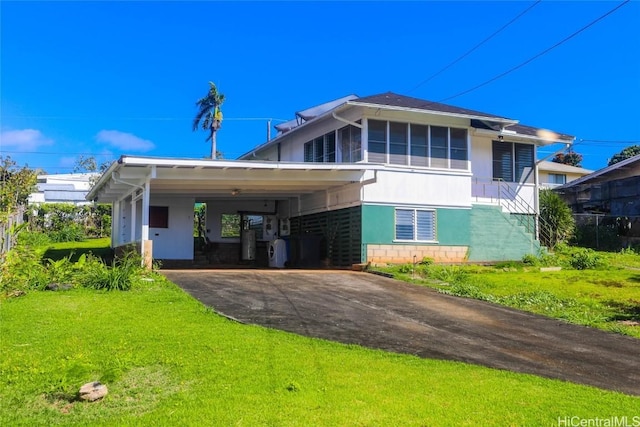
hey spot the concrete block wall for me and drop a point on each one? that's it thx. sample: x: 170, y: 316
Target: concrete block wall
x: 401, y: 254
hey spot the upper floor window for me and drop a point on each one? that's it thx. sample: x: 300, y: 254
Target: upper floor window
x: 350, y: 144
x: 321, y: 149
x: 513, y: 162
x: 417, y: 145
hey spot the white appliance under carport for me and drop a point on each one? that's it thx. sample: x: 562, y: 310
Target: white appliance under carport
x: 277, y: 253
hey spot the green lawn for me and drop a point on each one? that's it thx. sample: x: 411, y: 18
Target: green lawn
x: 98, y: 247
x: 607, y: 298
x: 168, y: 360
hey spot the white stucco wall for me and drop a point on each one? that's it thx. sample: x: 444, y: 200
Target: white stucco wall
x: 176, y: 241
x: 413, y: 187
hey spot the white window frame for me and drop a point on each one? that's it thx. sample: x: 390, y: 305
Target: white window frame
x: 415, y: 211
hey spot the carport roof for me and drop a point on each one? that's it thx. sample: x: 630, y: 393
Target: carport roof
x: 208, y: 178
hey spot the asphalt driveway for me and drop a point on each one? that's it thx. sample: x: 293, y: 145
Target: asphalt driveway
x: 376, y: 312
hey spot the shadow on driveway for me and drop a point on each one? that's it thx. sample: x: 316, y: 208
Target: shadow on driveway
x: 376, y: 312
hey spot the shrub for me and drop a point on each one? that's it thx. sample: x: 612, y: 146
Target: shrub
x: 530, y: 259
x: 449, y: 274
x: 33, y: 238
x: 22, y: 269
x: 557, y: 224
x: 584, y: 259
x: 120, y: 276
x: 406, y: 268
x: 68, y: 233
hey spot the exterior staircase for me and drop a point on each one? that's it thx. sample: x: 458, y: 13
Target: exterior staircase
x: 498, y: 235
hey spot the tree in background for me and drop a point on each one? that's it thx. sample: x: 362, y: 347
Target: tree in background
x: 628, y: 152
x: 16, y: 184
x: 209, y: 115
x: 556, y: 219
x: 89, y: 164
x: 570, y: 158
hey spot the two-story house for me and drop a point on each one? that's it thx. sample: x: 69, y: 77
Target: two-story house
x: 383, y: 178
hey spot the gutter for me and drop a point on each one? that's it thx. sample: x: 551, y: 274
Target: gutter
x: 91, y: 195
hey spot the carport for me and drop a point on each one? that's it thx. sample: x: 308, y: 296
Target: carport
x: 153, y: 201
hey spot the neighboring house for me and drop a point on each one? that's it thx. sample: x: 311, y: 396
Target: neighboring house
x: 63, y: 188
x: 554, y: 174
x: 613, y: 191
x: 384, y: 178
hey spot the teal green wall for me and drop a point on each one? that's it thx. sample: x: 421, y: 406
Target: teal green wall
x: 454, y: 226
x: 378, y: 225
x: 498, y: 236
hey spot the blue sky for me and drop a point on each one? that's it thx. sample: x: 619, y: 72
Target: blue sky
x: 112, y: 78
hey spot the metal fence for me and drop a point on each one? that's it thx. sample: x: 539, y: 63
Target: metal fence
x: 607, y: 232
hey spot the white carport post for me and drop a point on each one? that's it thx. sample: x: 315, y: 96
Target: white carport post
x: 146, y: 245
x: 134, y: 203
x: 116, y: 218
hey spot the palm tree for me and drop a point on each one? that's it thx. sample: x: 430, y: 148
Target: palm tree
x: 209, y: 115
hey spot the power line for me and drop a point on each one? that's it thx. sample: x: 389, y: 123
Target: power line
x: 54, y: 152
x: 140, y: 118
x: 611, y: 141
x: 460, y: 58
x: 499, y: 76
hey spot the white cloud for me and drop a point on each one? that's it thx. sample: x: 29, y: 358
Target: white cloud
x: 23, y: 139
x: 124, y: 141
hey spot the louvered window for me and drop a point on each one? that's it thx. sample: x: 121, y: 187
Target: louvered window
x: 398, y: 143
x: 308, y: 151
x: 377, y: 141
x: 415, y: 225
x: 513, y: 162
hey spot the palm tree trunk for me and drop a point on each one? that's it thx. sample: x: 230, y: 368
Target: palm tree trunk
x: 213, y: 144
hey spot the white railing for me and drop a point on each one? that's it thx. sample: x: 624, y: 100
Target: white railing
x: 515, y: 198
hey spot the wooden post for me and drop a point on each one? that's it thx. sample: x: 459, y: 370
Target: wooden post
x: 147, y: 251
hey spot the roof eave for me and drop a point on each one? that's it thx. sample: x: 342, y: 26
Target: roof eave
x: 435, y: 112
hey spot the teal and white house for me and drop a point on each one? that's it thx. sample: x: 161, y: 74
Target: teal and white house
x: 384, y: 178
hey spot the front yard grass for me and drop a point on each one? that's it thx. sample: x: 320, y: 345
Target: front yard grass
x: 607, y: 297
x: 100, y: 247
x: 168, y: 360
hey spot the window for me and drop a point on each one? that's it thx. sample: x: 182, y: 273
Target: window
x: 350, y: 144
x: 330, y: 147
x: 230, y: 225
x: 557, y: 178
x: 459, y: 155
x: 524, y: 162
x: 308, y: 151
x: 415, y: 225
x: 512, y: 162
x: 398, y: 143
x: 439, y: 147
x: 159, y: 216
x: 419, y: 145
x: 321, y: 149
x: 318, y: 150
x: 377, y: 141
